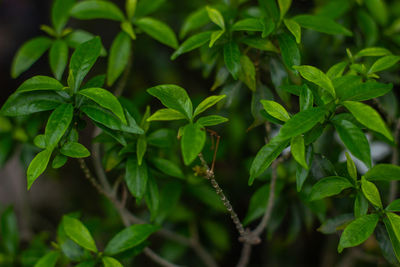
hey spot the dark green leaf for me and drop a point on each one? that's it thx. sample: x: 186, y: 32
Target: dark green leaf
x: 74, y: 150
x: 9, y: 232
x: 249, y: 24
x: 335, y: 224
x: 232, y: 58
x: 141, y: 147
x: 360, y: 205
x: 58, y: 58
x: 168, y: 167
x: 97, y: 10
x: 192, y: 143
x: 194, y: 21
x: 58, y: 123
x: 40, y: 83
x: 383, y: 172
x: 192, y: 43
x: 136, y: 177
x: 289, y: 50
x: 321, y: 24
x: 329, y: 186
x: 146, y: 7
x: 119, y: 57
x: 59, y: 161
x: 60, y: 13
x: 158, y: 30
x: 78, y: 232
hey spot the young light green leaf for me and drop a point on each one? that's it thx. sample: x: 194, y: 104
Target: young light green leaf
x: 358, y: 231
x: 301, y: 122
x: 284, y: 6
x: 28, y: 54
x: 369, y: 117
x: 58, y: 123
x: 336, y: 70
x: 232, y: 58
x: 78, y: 232
x: 82, y: 60
x: 294, y: 28
x: 136, y: 177
x: 298, y: 150
x: 275, y: 109
x: 119, y: 56
x: 373, y: 52
x: 265, y: 156
x: 384, y: 63
x: 192, y: 43
x: 194, y: 21
x: 166, y: 114
x: 168, y: 167
x: 354, y: 139
x: 383, y: 172
x: 216, y: 17
x: 59, y: 161
x: 247, y: 73
x: 129, y: 238
x: 110, y: 262
x: 97, y: 9
x: 215, y: 36
x: 158, y: 30
x: 60, y: 13
x: 211, y: 120
x: 48, y: 260
x: 58, y: 58
x: 174, y: 97
x: 192, y: 143
x: 248, y: 24
x: 289, y: 50
x: 207, y: 103
x: 42, y: 83
x: 316, y: 76
x: 329, y: 186
x: 106, y: 100
x: 40, y: 141
x: 371, y: 192
x: 130, y: 7
x: 321, y: 24
x: 351, y: 167
x: 74, y: 150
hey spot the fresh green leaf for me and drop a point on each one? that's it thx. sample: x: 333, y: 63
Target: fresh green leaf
x: 78, y: 232
x: 329, y: 186
x: 207, y: 103
x: 321, y: 24
x: 360, y: 205
x: 146, y: 7
x: 40, y: 83
x: 351, y: 167
x: 316, y: 76
x: 97, y: 9
x: 306, y: 98
x: 289, y: 50
x: 247, y: 73
x: 158, y: 30
x: 192, y: 143
x: 60, y: 13
x: 383, y: 172
x: 298, y: 150
x: 111, y: 262
x: 353, y: 89
x: 384, y: 63
x: 74, y: 150
x: 336, y: 70
x: 129, y: 238
x: 284, y: 6
x: 216, y: 17
x: 28, y: 54
x: 194, y: 21
x: 358, y: 231
x: 58, y: 58
x: 119, y: 56
x: 48, y: 260
x: 136, y: 177
x: 58, y: 123
x: 249, y: 24
x: 232, y: 58
x: 294, y: 28
x: 371, y: 192
x: 373, y: 52
x: 259, y: 43
x: 130, y: 7
x: 211, y: 120
x: 166, y: 114
x: 394, y: 206
x: 59, y: 161
x: 192, y: 43
x: 275, y: 109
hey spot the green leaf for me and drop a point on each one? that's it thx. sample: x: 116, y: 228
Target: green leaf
x: 136, y: 177
x: 78, y: 232
x: 130, y: 7
x: 378, y: 10
x: 384, y: 63
x: 298, y: 150
x: 168, y: 167
x: 259, y: 43
x: 207, y: 103
x: 59, y: 161
x: 152, y: 197
x: 216, y: 17
x: 316, y: 76
x: 371, y: 192
x: 383, y: 172
x: 28, y: 54
x: 294, y: 28
x: 111, y: 262
x: 284, y: 6
x: 106, y: 100
x: 58, y: 123
x: 215, y: 36
x: 60, y: 14
x: 336, y: 70
x: 211, y: 120
x: 77, y: 37
x: 141, y: 147
x: 74, y: 150
x: 275, y: 109
x: 248, y: 24
x: 192, y: 143
x: 42, y: 83
x: 119, y: 57
x: 247, y: 73
x: 358, y: 231
x: 48, y: 260
x: 354, y: 139
x: 158, y: 30
x: 394, y: 206
x: 146, y: 7
x: 321, y: 24
x: 351, y: 88
x: 368, y: 117
x: 301, y: 122
x: 373, y: 52
x: 129, y: 238
x: 301, y: 173
x: 360, y: 205
x: 96, y: 81
x: 127, y: 27
x: 331, y: 226
x: 192, y: 43
x: 290, y: 51
x: 174, y: 97
x: 40, y: 141
x: 82, y: 60
x: 351, y: 167
x: 393, y: 238
x: 31, y: 102
x: 329, y: 186
x: 9, y: 232
x: 232, y: 58
x: 306, y: 98
x: 194, y: 21
x: 58, y: 58
x: 166, y: 114
x: 97, y: 9
x: 265, y: 156
x: 38, y: 166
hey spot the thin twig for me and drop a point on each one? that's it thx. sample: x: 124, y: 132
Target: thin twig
x: 395, y: 160
x: 244, y: 255
x: 163, y: 262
